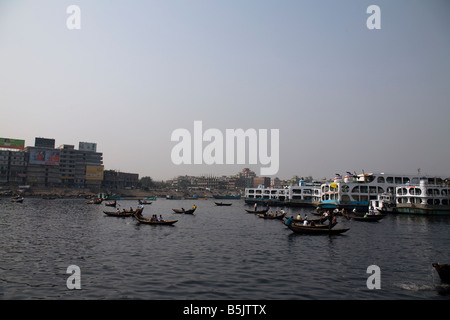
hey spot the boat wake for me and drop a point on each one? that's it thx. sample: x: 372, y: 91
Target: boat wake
x: 416, y: 286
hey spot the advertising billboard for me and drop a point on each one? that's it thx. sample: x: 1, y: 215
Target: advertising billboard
x: 94, y: 173
x: 12, y: 143
x: 87, y: 146
x: 42, y: 156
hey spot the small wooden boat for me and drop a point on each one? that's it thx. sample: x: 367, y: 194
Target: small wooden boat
x: 318, y: 220
x: 95, y: 201
x: 257, y: 211
x: 182, y: 210
x: 144, y: 202
x: 222, y: 204
x: 369, y: 218
x: 18, y: 200
x: 111, y: 204
x: 443, y: 270
x: 154, y: 222
x: 321, y: 229
x: 279, y: 216
x: 122, y: 214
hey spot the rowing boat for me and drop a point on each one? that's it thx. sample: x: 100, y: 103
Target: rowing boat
x: 369, y: 218
x: 323, y: 229
x: 154, y: 222
x: 443, y: 270
x: 119, y: 213
x: 222, y: 204
x: 182, y: 210
x: 279, y: 216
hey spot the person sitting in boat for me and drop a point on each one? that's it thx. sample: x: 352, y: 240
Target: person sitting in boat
x: 255, y: 206
x: 160, y: 218
x: 299, y: 217
x: 305, y: 222
x: 194, y: 207
x: 289, y: 221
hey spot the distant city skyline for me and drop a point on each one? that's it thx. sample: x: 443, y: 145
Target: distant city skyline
x: 343, y: 97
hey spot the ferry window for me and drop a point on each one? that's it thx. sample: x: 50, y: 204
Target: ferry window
x: 355, y: 189
x: 405, y: 180
x: 445, y: 202
x: 363, y: 189
x: 325, y: 189
x: 355, y: 198
x: 258, y: 191
x: 436, y: 192
x: 398, y: 180
x: 251, y: 191
x: 436, y: 201
x: 404, y: 191
x: 430, y: 201
x: 429, y: 192
x: 345, y: 198
x: 444, y: 192
x: 380, y: 180
x: 391, y: 190
x: 418, y: 192
x: 415, y: 181
x: 345, y: 188
x: 411, y: 191
x: 380, y: 190
x: 372, y: 189
x: 389, y: 180
x: 363, y: 198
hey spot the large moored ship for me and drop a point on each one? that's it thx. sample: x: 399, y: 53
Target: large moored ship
x: 356, y: 191
x: 427, y: 197
x: 301, y: 195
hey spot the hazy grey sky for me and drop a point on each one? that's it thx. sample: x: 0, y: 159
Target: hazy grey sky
x: 345, y: 98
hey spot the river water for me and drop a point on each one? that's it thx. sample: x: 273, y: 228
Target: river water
x: 218, y: 253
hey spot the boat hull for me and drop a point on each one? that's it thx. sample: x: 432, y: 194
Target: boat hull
x: 316, y: 230
x: 423, y: 210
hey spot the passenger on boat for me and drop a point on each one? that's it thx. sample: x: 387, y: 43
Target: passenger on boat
x: 161, y: 218
x: 305, y: 222
x: 255, y: 206
x: 289, y: 221
x: 299, y: 217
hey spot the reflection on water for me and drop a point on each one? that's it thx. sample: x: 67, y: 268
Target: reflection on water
x: 218, y: 253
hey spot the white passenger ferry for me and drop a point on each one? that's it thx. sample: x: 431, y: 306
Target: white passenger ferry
x: 356, y: 191
x: 301, y: 195
x: 429, y: 197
